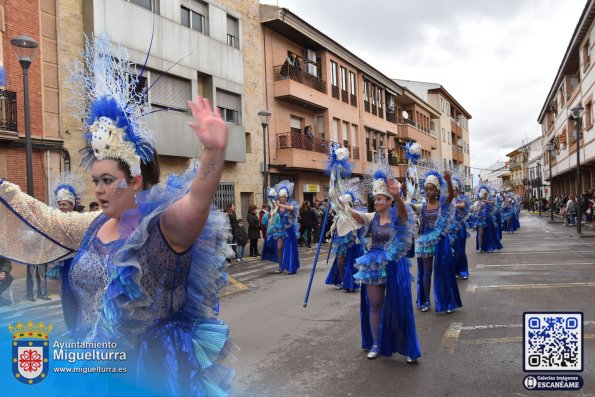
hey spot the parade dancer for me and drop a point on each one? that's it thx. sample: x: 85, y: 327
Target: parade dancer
x: 67, y: 190
x: 509, y: 210
x: 387, y: 321
x: 486, y: 238
x: 498, y: 214
x: 348, y: 237
x: 147, y: 269
x: 283, y: 227
x: 459, y: 232
x: 434, y: 252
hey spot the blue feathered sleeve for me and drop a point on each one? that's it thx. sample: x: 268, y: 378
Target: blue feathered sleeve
x: 402, y: 239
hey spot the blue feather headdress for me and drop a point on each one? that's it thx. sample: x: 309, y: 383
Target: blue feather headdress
x: 435, y: 178
x: 412, y: 152
x: 283, y: 188
x: 481, y: 190
x: 105, y: 95
x: 377, y: 178
x: 67, y: 187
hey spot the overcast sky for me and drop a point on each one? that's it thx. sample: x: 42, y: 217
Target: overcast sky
x: 497, y: 58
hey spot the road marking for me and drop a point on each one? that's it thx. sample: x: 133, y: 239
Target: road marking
x: 481, y: 265
x: 256, y: 270
x: 542, y: 252
x: 240, y: 287
x: 495, y: 326
x: 472, y: 287
x: 487, y: 341
x: 451, y: 336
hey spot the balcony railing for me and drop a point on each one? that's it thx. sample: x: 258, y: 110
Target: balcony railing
x: 8, y: 111
x: 335, y: 91
x: 284, y: 72
x: 367, y: 106
x: 353, y: 100
x: 344, y: 96
x: 292, y: 140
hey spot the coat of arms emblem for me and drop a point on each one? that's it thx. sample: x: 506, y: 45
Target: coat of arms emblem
x: 30, y: 351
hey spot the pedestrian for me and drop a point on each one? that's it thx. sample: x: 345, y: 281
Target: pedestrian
x: 93, y: 206
x: 253, y: 230
x: 319, y: 214
x: 307, y: 223
x: 241, y: 238
x: 434, y: 254
x: 230, y: 210
x: 571, y: 209
x: 147, y: 268
x: 266, y: 210
x: 282, y: 227
x: 5, y: 280
x: 563, y: 213
x: 387, y: 320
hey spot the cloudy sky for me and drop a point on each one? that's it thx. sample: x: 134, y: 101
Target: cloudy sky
x: 497, y: 58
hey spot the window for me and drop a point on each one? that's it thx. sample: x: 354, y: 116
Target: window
x: 248, y: 142
x: 366, y: 99
x: 335, y: 134
x: 193, y: 15
x: 588, y: 115
x: 586, y: 57
x: 443, y: 135
x: 295, y: 124
x: 169, y: 91
x: 343, y: 79
x: 379, y: 98
x: 230, y: 105
x: 333, y: 73
x: 233, y: 32
x: 373, y: 96
x: 151, y: 5
x: 320, y: 126
x: 354, y: 135
x: 345, y: 134
x: 352, y: 87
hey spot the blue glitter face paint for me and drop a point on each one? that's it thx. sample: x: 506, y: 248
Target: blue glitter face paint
x: 123, y: 184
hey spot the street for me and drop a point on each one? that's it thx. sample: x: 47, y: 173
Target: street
x: 284, y: 349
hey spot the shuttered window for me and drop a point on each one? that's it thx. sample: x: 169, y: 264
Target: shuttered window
x: 230, y: 105
x: 169, y: 91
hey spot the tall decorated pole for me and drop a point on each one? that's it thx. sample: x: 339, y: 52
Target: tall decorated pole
x: 413, y: 154
x: 337, y: 167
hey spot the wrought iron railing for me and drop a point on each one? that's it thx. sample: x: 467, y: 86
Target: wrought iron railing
x: 8, y: 111
x: 335, y: 91
x: 367, y: 106
x: 284, y: 72
x: 353, y: 100
x: 344, y: 96
x: 291, y: 140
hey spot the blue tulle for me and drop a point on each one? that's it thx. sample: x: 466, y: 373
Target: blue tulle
x: 490, y: 240
x: 334, y: 278
x: 269, y: 250
x: 397, y: 323
x: 291, y: 258
x: 461, y: 263
x: 428, y: 239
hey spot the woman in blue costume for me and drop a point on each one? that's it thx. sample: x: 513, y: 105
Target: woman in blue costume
x: 283, y: 227
x: 67, y: 191
x: 486, y: 239
x: 434, y: 252
x: 348, y: 239
x: 498, y: 214
x: 387, y: 320
x: 459, y: 232
x: 147, y: 268
x: 509, y: 211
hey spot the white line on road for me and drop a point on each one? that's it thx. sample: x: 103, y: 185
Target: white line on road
x: 449, y: 340
x: 472, y: 288
x: 495, y: 326
x: 481, y: 266
x: 543, y: 252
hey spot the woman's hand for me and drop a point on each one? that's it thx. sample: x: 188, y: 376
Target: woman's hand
x: 394, y: 187
x: 447, y: 176
x: 208, y: 124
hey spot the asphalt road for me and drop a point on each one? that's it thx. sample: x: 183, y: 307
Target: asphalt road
x: 287, y: 350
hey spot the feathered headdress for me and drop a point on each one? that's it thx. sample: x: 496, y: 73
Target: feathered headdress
x: 67, y: 187
x: 107, y: 97
x: 351, y: 192
x: 377, y: 177
x: 435, y: 178
x: 283, y: 188
x: 481, y: 191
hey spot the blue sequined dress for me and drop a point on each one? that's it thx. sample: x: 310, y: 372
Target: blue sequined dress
x: 386, y: 264
x: 459, y: 235
x: 284, y: 226
x: 434, y: 241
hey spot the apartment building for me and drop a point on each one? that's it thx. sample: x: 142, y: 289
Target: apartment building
x: 526, y: 168
x: 36, y: 19
x: 452, y: 126
x: 573, y: 85
x: 197, y: 47
x: 319, y: 92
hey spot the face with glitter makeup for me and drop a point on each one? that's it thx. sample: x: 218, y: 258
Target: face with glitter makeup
x: 114, y: 193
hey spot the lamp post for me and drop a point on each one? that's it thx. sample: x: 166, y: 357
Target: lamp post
x: 25, y: 49
x: 265, y: 115
x: 550, y: 149
x: 577, y: 115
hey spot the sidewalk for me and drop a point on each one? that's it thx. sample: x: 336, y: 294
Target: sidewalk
x: 587, y: 230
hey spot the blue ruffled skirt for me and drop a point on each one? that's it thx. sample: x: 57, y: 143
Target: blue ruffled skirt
x: 372, y: 267
x: 397, y: 322
x: 334, y: 278
x: 342, y: 244
x: 291, y: 258
x: 446, y: 288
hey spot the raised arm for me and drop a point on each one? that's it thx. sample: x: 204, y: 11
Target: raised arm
x: 183, y: 222
x: 451, y: 193
x: 393, y: 188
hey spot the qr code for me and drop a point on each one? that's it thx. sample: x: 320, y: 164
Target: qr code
x: 553, y: 342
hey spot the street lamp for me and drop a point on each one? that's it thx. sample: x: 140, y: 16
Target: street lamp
x: 550, y: 148
x: 577, y: 115
x: 25, y: 49
x: 265, y: 115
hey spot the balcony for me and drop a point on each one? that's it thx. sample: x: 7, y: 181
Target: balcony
x: 318, y: 149
x: 456, y: 128
x: 457, y: 154
x: 353, y: 100
x: 408, y: 131
x: 344, y: 96
x: 8, y: 114
x: 296, y: 86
